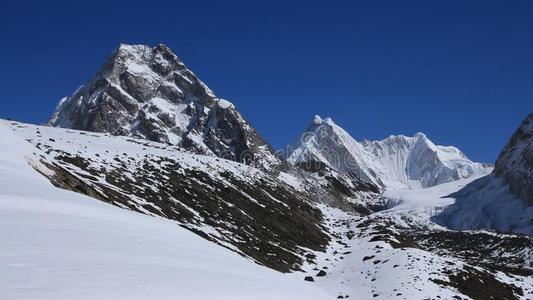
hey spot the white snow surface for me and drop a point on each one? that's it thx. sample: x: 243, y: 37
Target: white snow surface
x: 487, y: 203
x: 58, y: 244
x: 416, y: 208
x: 224, y: 103
x: 362, y: 269
x: 468, y: 204
x: 62, y: 245
x: 397, y: 162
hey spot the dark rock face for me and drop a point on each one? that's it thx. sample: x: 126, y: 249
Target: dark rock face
x: 149, y: 93
x: 515, y: 163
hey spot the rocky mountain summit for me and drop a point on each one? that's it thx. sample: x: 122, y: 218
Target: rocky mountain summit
x: 397, y: 162
x: 515, y: 163
x: 148, y: 92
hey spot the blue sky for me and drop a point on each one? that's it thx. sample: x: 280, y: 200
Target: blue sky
x: 459, y: 71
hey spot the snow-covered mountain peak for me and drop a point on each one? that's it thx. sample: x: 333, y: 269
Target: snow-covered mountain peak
x: 318, y: 120
x: 327, y: 125
x: 397, y: 162
x: 420, y: 135
x: 423, y: 162
x: 148, y: 92
x: 144, y: 52
x: 324, y: 142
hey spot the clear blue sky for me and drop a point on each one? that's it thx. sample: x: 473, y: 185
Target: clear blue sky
x: 459, y: 71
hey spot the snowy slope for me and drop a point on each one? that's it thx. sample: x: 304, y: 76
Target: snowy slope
x: 487, y: 203
x: 58, y: 244
x: 391, y: 254
x: 503, y: 200
x: 468, y: 204
x: 374, y: 257
x: 416, y: 208
x: 357, y: 267
x: 397, y: 162
x: 238, y: 206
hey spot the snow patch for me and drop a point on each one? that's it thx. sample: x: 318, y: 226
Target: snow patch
x: 225, y: 104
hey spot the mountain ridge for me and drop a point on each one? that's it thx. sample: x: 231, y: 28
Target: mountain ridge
x: 397, y: 161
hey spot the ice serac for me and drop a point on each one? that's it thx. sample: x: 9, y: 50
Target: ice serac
x: 515, y: 163
x: 148, y: 92
x: 397, y: 162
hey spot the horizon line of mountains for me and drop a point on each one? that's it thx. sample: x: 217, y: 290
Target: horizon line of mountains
x: 149, y: 93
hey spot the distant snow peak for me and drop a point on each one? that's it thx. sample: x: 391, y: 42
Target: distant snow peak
x: 420, y: 135
x: 397, y: 162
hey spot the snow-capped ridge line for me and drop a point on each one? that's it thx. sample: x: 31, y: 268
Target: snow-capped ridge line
x: 396, y: 162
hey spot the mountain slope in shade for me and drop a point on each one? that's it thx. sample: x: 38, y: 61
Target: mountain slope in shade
x: 58, y: 244
x: 149, y: 93
x: 397, y: 162
x: 486, y: 203
x: 515, y: 163
x: 503, y: 200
